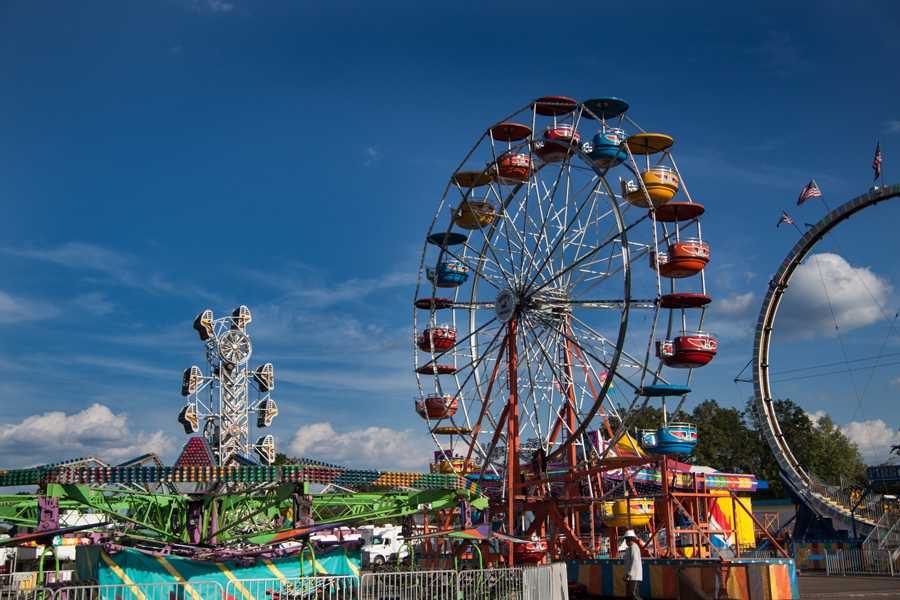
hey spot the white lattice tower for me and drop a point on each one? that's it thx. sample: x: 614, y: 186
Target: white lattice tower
x: 219, y: 402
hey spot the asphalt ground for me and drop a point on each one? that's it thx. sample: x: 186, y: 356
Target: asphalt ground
x: 823, y: 586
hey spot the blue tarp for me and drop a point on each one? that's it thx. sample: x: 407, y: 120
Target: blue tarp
x: 134, y: 567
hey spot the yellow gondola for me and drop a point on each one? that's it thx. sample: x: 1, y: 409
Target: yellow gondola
x: 474, y: 214
x: 619, y: 514
x: 661, y: 183
x: 649, y: 143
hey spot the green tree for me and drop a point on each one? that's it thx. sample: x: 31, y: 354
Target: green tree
x: 821, y: 447
x: 724, y: 441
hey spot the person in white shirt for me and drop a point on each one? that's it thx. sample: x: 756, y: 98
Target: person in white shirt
x: 634, y: 570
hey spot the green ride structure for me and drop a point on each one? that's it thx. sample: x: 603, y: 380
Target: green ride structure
x: 223, y: 498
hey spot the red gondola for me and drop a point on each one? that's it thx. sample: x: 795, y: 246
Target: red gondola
x: 510, y: 132
x: 437, y: 407
x: 688, y: 350
x: 433, y: 303
x: 513, y: 168
x: 554, y: 106
x: 684, y: 300
x: 531, y: 552
x: 559, y: 141
x: 672, y: 212
x: 433, y: 369
x: 438, y: 339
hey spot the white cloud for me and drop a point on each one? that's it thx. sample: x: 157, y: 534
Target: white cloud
x: 220, y: 6
x: 15, y: 309
x: 95, y: 303
x: 816, y: 415
x: 96, y: 430
x: 855, y: 295
x: 780, y: 53
x: 874, y: 438
x: 371, y: 447
x: 126, y: 366
x: 372, y: 154
x: 731, y: 317
x: 212, y: 6
x: 315, y: 294
x: 736, y: 305
x: 892, y: 126
x: 119, y: 267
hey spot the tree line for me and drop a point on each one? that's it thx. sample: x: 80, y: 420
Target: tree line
x: 732, y: 440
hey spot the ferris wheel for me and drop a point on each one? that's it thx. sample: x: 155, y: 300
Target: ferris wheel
x: 560, y: 287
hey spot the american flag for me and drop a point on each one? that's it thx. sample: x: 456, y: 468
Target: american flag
x: 785, y: 218
x: 811, y: 190
x: 876, y: 162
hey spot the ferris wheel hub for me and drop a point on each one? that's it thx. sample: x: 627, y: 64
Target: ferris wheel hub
x: 549, y: 305
x: 506, y: 304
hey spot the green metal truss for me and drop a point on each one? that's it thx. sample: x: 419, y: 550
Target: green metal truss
x: 230, y: 517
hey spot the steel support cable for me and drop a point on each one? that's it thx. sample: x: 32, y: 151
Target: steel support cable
x: 837, y: 328
x: 884, y: 315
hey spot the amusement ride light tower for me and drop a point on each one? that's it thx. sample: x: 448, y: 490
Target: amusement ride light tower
x: 220, y: 401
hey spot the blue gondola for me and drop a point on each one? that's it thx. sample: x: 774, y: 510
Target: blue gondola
x: 449, y: 274
x: 605, y: 108
x: 446, y: 238
x: 674, y: 438
x: 608, y: 148
x: 658, y: 390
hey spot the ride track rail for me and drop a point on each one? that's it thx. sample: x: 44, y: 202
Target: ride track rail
x: 801, y: 482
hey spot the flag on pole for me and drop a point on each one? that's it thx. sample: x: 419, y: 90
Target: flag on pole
x: 810, y: 190
x: 785, y: 218
x: 876, y: 162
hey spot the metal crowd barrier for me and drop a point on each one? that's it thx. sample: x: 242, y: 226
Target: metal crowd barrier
x: 547, y: 582
x: 491, y: 584
x: 39, y: 593
x: 529, y: 583
x: 860, y: 561
x: 193, y: 590
x: 412, y: 585
x: 324, y: 587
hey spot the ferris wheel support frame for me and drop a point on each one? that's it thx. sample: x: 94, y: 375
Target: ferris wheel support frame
x: 793, y: 472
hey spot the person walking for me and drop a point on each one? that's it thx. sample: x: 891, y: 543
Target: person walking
x: 634, y: 570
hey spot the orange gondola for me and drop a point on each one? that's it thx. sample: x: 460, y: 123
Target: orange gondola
x: 684, y: 258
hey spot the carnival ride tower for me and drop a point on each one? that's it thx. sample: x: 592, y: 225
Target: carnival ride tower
x: 218, y: 403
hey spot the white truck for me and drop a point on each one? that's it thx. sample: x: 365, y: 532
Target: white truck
x: 382, y: 544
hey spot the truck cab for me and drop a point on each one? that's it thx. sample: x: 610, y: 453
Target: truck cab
x: 385, y: 545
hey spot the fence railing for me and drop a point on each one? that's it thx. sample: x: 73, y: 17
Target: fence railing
x: 867, y: 508
x: 410, y: 585
x: 546, y: 582
x: 27, y: 594
x: 183, y: 590
x: 886, y: 533
x: 860, y: 561
x: 491, y: 584
x: 325, y: 587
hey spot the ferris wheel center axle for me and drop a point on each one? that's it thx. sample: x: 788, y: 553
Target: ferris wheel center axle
x: 547, y: 303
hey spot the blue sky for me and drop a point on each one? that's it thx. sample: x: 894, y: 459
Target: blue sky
x: 160, y: 157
